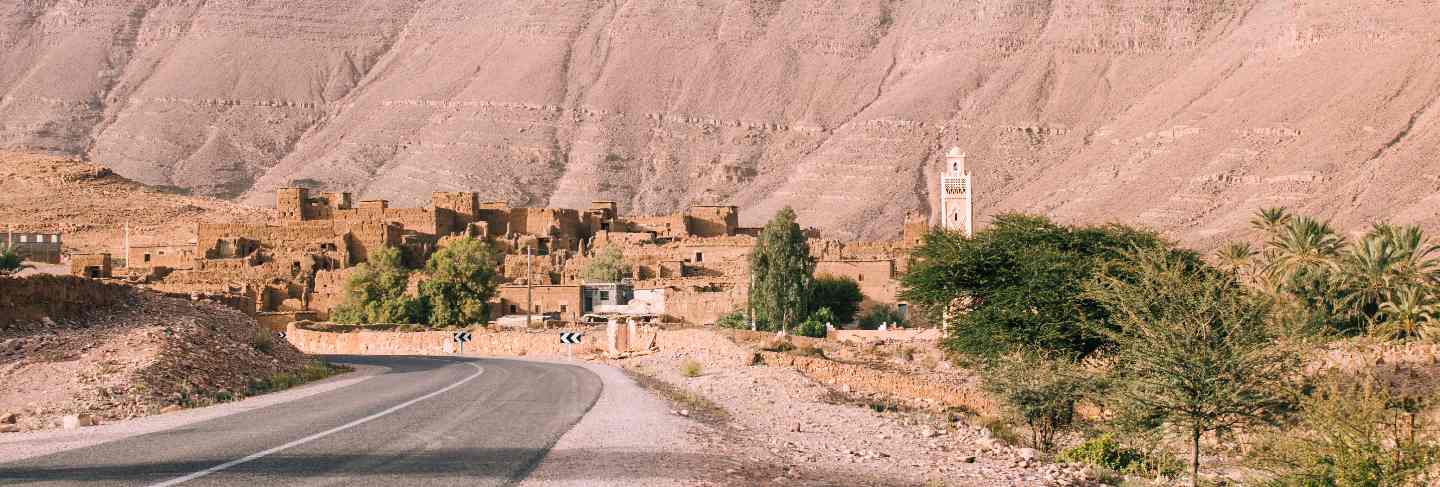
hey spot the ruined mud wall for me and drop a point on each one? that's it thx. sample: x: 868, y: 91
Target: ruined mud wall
x: 34, y: 298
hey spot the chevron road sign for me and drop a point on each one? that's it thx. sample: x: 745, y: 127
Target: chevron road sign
x: 460, y: 338
x: 569, y: 338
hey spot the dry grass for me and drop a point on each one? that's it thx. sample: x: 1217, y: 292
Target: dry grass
x: 701, y: 408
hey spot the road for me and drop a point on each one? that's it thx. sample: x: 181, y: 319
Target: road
x: 431, y: 421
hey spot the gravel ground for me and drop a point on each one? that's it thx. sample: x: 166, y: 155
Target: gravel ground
x: 628, y: 438
x: 785, y: 429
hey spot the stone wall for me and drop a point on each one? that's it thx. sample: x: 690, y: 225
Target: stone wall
x: 484, y: 343
x: 916, y: 390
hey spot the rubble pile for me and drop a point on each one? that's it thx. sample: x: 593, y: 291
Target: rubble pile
x: 136, y: 356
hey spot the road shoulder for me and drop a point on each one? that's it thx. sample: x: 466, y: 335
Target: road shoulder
x: 629, y: 437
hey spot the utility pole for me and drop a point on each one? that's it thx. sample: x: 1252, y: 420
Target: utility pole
x: 750, y: 301
x: 126, y: 254
x: 529, y: 284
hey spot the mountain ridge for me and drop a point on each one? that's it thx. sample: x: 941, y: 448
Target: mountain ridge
x: 1180, y: 115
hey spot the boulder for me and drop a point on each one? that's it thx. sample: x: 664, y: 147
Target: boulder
x: 9, y: 428
x: 9, y: 418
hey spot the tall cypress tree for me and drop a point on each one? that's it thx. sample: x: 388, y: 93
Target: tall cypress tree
x: 782, y: 272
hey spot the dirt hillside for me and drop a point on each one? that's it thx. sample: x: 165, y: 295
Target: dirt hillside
x: 90, y: 205
x: 70, y: 346
x: 1182, y: 114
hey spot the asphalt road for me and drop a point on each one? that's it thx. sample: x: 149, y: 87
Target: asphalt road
x: 427, y: 421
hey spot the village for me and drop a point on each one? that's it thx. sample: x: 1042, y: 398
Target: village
x: 690, y: 267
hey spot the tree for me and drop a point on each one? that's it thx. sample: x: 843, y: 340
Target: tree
x: 461, y: 280
x: 376, y: 292
x: 1194, y: 347
x: 1023, y: 277
x: 12, y: 263
x: 1038, y: 390
x: 606, y: 266
x: 840, y: 294
x: 781, y: 272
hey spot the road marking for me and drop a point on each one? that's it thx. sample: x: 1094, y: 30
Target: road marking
x: 316, y: 436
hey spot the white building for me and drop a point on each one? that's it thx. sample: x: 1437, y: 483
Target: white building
x: 957, y: 211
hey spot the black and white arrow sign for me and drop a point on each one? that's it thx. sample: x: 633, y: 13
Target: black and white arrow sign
x: 280, y: 334
x: 569, y: 338
x: 462, y: 336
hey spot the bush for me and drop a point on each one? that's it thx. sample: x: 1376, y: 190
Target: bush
x: 11, y: 263
x: 1352, y: 431
x: 880, y: 314
x: 811, y: 328
x: 690, y: 368
x: 263, y: 341
x: 1105, y: 451
x: 841, y: 295
x: 778, y: 346
x: 1038, y: 391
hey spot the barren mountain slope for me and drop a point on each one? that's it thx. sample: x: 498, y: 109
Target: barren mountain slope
x: 91, y: 206
x: 1183, y: 114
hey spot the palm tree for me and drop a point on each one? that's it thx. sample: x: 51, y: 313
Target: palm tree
x: 1270, y: 218
x: 1302, y: 245
x: 1410, y: 313
x: 1236, y: 256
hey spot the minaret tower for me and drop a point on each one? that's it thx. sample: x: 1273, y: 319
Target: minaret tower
x: 956, y: 195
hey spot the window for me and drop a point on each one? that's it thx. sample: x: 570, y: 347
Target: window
x: 537, y: 308
x: 24, y: 238
x: 604, y: 295
x: 514, y: 309
x: 562, y: 309
x: 699, y: 257
x: 147, y: 257
x: 54, y: 239
x: 860, y: 278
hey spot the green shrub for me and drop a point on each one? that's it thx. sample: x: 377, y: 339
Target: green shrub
x: 810, y: 351
x: 376, y: 292
x: 11, y: 263
x: 690, y: 368
x: 811, y: 328
x: 1105, y: 451
x: 878, y: 315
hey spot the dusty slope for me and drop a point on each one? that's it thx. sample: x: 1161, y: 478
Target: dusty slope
x: 70, y: 345
x: 1178, y: 113
x: 91, y: 206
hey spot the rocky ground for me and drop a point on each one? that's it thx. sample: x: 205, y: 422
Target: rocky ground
x: 144, y: 354
x: 782, y: 428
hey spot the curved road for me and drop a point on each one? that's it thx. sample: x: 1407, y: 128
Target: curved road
x: 432, y: 421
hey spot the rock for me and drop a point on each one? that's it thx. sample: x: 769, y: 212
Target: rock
x: 9, y: 418
x: 989, y: 444
x: 75, y: 421
x: 9, y: 428
x: 171, y: 409
x: 986, y: 434
x: 969, y: 459
x: 685, y: 412
x: 928, y: 432
x: 1028, y: 454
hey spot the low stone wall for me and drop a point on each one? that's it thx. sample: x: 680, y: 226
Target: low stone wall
x: 917, y: 390
x: 483, y: 343
x: 900, y: 335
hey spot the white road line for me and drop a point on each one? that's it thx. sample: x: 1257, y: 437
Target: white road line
x: 316, y: 436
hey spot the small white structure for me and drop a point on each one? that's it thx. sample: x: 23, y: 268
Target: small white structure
x: 957, y: 210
